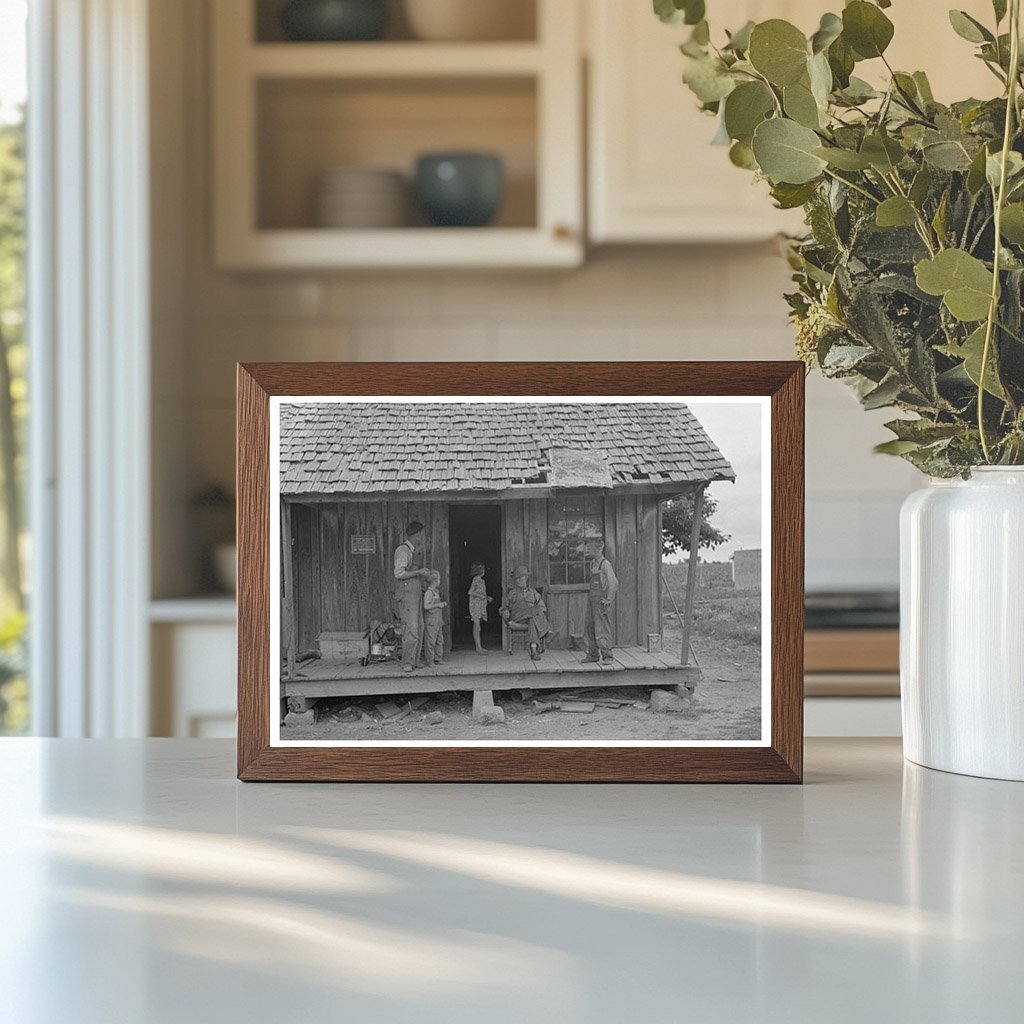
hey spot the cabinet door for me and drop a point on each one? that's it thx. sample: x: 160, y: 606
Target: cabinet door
x: 654, y: 176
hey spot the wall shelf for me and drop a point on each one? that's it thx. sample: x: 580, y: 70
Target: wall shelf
x: 286, y: 113
x: 392, y: 60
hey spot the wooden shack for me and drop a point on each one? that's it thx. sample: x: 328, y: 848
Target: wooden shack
x: 504, y: 483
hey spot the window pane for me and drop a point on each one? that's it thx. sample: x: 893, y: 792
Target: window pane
x: 14, y: 706
x: 578, y: 573
x: 556, y: 573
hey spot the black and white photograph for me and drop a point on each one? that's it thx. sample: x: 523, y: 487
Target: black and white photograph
x: 523, y: 571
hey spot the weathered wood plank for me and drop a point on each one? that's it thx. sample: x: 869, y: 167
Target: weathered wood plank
x: 649, y: 568
x: 691, y: 574
x: 423, y: 683
x: 625, y: 563
x: 288, y: 586
x: 535, y: 526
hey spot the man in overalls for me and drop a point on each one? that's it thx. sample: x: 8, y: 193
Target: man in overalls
x: 409, y: 570
x: 597, y: 625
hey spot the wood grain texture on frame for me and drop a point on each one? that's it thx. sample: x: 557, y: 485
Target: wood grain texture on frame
x: 780, y: 762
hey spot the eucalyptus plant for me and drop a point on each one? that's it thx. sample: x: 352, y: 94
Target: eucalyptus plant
x: 910, y: 278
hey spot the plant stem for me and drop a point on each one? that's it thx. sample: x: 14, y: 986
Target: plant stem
x: 993, y: 309
x: 855, y: 187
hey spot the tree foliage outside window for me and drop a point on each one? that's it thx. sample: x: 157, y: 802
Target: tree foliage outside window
x: 677, y: 524
x: 572, y: 521
x: 14, y: 708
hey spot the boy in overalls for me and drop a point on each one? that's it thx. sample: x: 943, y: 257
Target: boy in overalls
x: 597, y: 625
x: 433, y: 621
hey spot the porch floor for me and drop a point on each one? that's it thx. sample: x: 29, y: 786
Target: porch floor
x: 498, y: 670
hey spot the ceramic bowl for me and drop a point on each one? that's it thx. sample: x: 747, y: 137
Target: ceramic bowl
x: 460, y: 189
x: 358, y: 197
x: 334, y: 20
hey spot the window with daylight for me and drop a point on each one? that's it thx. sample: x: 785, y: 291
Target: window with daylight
x: 572, y: 521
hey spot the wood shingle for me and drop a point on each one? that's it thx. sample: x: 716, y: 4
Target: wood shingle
x: 402, y: 447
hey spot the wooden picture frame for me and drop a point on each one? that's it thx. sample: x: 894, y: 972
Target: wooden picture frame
x: 780, y: 759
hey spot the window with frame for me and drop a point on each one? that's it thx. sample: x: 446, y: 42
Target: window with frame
x: 572, y: 521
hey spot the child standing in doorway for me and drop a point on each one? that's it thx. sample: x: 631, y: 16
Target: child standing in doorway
x: 478, y: 601
x: 433, y: 627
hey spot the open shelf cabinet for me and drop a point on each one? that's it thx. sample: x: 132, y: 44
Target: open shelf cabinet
x: 287, y: 112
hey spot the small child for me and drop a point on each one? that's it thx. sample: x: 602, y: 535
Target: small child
x: 478, y: 601
x: 433, y: 630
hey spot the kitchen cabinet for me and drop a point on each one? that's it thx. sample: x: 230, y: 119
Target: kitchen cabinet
x: 286, y: 113
x: 653, y: 175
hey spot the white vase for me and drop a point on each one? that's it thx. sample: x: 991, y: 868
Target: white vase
x: 962, y: 624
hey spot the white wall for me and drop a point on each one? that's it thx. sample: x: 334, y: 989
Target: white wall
x: 665, y: 303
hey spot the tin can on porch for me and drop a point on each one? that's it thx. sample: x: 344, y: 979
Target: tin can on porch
x: 653, y: 643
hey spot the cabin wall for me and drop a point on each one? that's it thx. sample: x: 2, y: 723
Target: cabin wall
x: 632, y: 531
x: 306, y: 576
x: 358, y: 588
x: 339, y: 591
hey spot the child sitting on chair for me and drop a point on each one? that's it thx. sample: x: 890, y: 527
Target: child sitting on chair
x: 433, y: 629
x: 478, y: 601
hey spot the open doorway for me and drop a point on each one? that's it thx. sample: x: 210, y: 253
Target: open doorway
x: 474, y: 535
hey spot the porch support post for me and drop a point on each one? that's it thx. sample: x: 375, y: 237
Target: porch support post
x: 288, y: 577
x: 691, y: 572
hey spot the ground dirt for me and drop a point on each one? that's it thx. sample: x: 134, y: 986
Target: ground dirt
x: 725, y: 706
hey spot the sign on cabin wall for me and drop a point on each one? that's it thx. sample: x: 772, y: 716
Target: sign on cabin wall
x: 364, y: 544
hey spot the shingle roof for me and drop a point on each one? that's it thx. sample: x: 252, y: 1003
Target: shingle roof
x: 391, y: 447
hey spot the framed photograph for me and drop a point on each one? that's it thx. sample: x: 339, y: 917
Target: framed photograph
x: 520, y: 572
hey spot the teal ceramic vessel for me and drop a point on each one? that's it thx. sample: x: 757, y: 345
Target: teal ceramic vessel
x: 461, y: 190
x: 334, y: 21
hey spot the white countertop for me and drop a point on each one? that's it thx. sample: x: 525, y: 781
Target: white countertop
x: 142, y: 884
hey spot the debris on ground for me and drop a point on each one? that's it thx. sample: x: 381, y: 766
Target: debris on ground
x: 417, y: 702
x: 578, y: 707
x: 389, y: 709
x: 433, y: 718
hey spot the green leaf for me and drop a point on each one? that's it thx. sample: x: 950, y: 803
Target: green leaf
x: 866, y: 29
x: 963, y: 281
x: 969, y: 28
x: 778, y: 50
x: 701, y: 33
x: 895, y: 447
x: 999, y: 6
x: 785, y: 152
x: 896, y: 212
x: 946, y: 156
x: 741, y: 155
x: 676, y: 12
x: 976, y: 174
x: 858, y: 91
x: 924, y: 87
x: 820, y: 77
x: 1014, y: 169
x: 830, y: 29
x: 841, y: 60
x: 800, y: 105
x: 1012, y: 225
x: 844, y: 159
x: 789, y: 197
x: 883, y: 153
x: 745, y: 108
x: 708, y: 80
x: 971, y: 352
x: 921, y: 185
x: 885, y: 394
x: 739, y: 41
